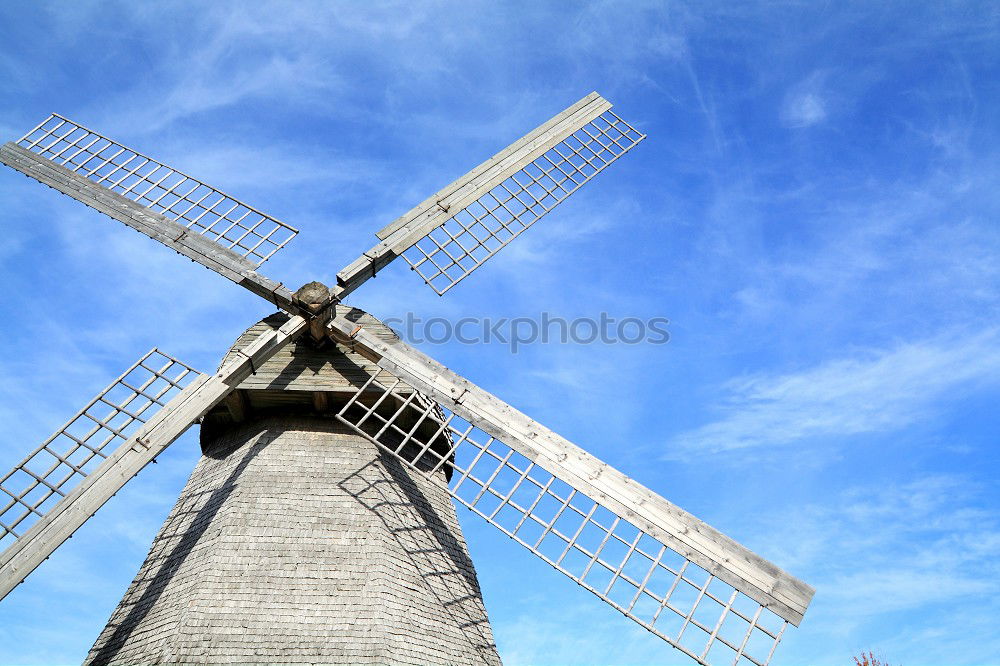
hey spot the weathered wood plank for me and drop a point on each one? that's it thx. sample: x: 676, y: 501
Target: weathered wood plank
x: 456, y: 194
x: 158, y: 227
x: 721, y: 556
x: 437, y: 209
x: 162, y: 429
x: 303, y: 367
x: 237, y: 405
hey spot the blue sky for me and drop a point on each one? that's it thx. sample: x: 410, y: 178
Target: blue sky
x: 814, y: 210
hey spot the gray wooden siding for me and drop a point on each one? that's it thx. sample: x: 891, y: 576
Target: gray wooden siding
x: 295, y: 541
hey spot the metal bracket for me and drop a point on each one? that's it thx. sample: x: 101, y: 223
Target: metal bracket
x: 274, y: 293
x: 371, y: 262
x: 253, y: 370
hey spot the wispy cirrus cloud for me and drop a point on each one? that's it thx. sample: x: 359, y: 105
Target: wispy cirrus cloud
x: 908, y: 547
x: 804, y: 109
x: 806, y: 103
x: 870, y: 392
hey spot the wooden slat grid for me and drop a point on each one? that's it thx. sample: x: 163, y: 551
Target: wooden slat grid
x: 472, y: 235
x: 644, y: 579
x: 52, y: 470
x: 163, y: 189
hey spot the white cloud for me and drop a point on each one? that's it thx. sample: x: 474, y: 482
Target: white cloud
x: 807, y: 103
x: 870, y: 392
x: 256, y: 167
x: 535, y: 639
x: 553, y: 238
x: 882, y: 558
x: 803, y: 110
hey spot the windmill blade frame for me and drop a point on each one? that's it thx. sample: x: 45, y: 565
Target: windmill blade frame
x: 676, y: 576
x: 97, y: 486
x: 733, y: 583
x: 456, y: 230
x: 77, y: 162
x: 52, y: 469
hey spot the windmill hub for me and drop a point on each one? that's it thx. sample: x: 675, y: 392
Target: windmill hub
x: 313, y: 300
x: 314, y: 297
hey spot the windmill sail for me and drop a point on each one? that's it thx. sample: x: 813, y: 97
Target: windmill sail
x: 456, y: 230
x: 676, y: 576
x: 53, y: 470
x: 192, y: 218
x: 63, y: 482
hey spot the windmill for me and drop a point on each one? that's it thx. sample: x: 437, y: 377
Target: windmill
x: 428, y: 433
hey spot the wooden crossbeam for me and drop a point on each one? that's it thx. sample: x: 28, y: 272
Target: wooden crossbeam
x: 437, y: 209
x: 158, y: 227
x: 721, y: 556
x: 35, y: 545
x: 321, y: 401
x: 238, y: 405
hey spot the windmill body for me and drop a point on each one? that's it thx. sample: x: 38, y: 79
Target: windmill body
x: 320, y: 509
x: 296, y: 540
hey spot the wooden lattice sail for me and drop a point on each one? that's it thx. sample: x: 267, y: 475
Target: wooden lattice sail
x: 275, y: 413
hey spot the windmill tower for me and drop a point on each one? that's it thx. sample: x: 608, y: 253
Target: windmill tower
x: 297, y: 540
x: 320, y: 515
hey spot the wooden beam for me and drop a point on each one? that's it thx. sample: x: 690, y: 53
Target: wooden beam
x: 469, y: 187
x: 163, y: 428
x: 721, y: 556
x: 238, y: 405
x: 321, y: 401
x: 405, y: 231
x: 177, y: 237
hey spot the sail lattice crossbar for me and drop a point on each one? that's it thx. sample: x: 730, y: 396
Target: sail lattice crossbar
x: 165, y: 190
x: 51, y: 471
x: 451, y: 252
x: 636, y: 573
x: 84, y: 491
x: 454, y: 231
